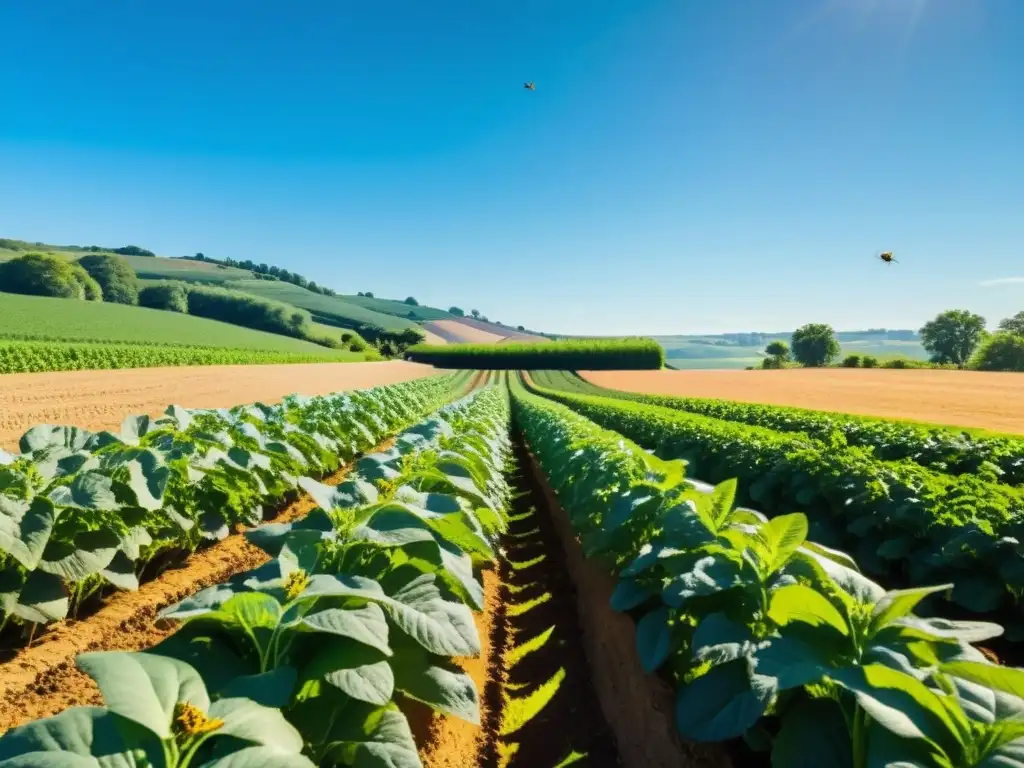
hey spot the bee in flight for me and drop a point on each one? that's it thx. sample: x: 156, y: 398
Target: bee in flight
x: 887, y: 257
x: 530, y: 86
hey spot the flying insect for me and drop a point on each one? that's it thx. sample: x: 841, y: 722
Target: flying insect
x: 530, y: 86
x: 887, y: 257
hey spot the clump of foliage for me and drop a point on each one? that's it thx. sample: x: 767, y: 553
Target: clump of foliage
x: 778, y: 355
x: 457, y: 311
x: 869, y: 362
x: 1013, y: 324
x: 44, y: 274
x: 583, y: 355
x: 1002, y: 351
x: 249, y: 310
x: 170, y: 296
x: 115, y: 276
x: 851, y: 361
x: 411, y: 301
x: 953, y: 336
x: 264, y: 271
x: 815, y: 345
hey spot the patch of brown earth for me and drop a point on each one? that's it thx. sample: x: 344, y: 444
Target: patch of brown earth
x: 992, y: 401
x: 101, y: 399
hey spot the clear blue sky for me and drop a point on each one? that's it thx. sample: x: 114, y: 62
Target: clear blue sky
x: 683, y: 166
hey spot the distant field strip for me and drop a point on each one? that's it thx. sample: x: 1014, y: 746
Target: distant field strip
x: 974, y: 399
x: 44, y: 318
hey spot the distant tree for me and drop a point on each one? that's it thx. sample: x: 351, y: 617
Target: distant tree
x: 275, y: 271
x: 286, y: 275
x: 360, y: 294
x: 200, y: 256
x: 369, y: 294
x: 169, y: 296
x: 132, y: 250
x: 475, y: 313
x: 851, y: 361
x: 411, y: 315
x: 815, y: 345
x: 869, y: 362
x: 778, y: 349
x: 44, y: 274
x: 1003, y: 351
x: 953, y: 336
x: 520, y: 328
x: 411, y: 301
x: 115, y: 276
x: 311, y: 285
x: 457, y: 311
x: 1013, y: 324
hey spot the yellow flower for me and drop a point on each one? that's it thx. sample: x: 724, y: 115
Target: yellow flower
x: 296, y: 582
x: 189, y: 720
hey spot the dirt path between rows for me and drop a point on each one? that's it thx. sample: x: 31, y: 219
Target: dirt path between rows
x: 102, y: 399
x: 993, y: 401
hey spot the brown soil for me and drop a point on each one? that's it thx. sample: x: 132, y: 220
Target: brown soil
x: 101, y: 399
x: 457, y: 332
x: 993, y: 401
x: 639, y: 706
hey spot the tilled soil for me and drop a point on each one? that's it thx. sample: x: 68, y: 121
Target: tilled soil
x: 993, y: 401
x: 101, y: 399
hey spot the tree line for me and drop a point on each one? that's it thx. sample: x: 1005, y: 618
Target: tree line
x: 956, y: 338
x: 263, y: 271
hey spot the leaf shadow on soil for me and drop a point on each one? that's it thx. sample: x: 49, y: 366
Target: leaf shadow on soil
x: 551, y: 714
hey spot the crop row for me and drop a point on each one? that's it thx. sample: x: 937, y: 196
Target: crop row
x: 942, y: 449
x: 902, y: 522
x: 81, y: 511
x: 43, y: 356
x: 765, y: 634
x: 302, y: 661
x: 596, y: 354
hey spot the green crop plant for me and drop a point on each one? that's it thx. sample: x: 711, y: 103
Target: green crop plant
x: 765, y: 634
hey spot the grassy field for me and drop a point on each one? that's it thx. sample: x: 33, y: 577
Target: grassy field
x: 43, y: 318
x: 398, y: 308
x: 330, y: 310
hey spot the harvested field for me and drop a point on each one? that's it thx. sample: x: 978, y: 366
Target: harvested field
x: 993, y: 401
x: 457, y: 332
x: 432, y: 338
x: 101, y: 399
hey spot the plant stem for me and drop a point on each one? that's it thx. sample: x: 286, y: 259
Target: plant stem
x: 858, y: 737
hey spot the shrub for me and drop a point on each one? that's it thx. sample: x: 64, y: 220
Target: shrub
x: 171, y: 297
x: 869, y: 362
x: 953, y: 336
x: 358, y: 345
x: 851, y: 361
x: 771, y: 363
x: 457, y: 311
x: 43, y: 274
x: 815, y: 345
x: 411, y: 301
x: 250, y: 311
x: 1002, y: 351
x: 115, y: 276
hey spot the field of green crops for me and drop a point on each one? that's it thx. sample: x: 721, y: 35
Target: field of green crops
x: 42, y: 318
x: 810, y: 590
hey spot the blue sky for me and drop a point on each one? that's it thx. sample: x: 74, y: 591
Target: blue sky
x: 683, y: 166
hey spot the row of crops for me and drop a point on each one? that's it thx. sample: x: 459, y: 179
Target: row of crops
x: 45, y: 356
x: 569, y: 354
x: 905, y: 523
x: 767, y: 632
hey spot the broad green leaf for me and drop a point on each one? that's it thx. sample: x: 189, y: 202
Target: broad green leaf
x: 798, y: 602
x: 246, y: 720
x: 42, y: 599
x: 437, y: 683
x: 654, y: 638
x: 366, y: 625
x: 629, y: 593
x: 358, y: 670
x: 120, y: 572
x: 793, y: 662
x: 723, y: 498
x: 25, y: 528
x: 719, y: 705
x: 79, y: 737
x: 898, y: 603
x: 783, y: 535
x: 144, y: 688
x: 90, y: 553
x: 441, y: 627
x: 269, y: 689
x: 1007, y: 679
x: 147, y: 478
x: 48, y: 436
x: 813, y: 734
x: 980, y: 594
x: 92, y: 490
x: 260, y: 757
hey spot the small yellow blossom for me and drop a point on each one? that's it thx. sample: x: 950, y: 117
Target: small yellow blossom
x: 296, y: 582
x: 190, y: 721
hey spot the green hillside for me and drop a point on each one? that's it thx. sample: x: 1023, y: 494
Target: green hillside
x: 44, y: 318
x: 329, y: 310
x: 399, y: 308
